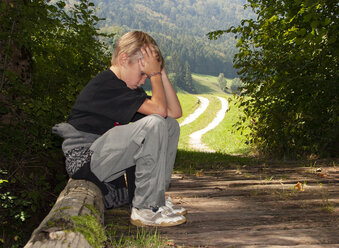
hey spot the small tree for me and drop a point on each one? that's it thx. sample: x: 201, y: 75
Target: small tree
x: 236, y: 85
x: 222, y: 82
x: 175, y: 65
x: 188, y: 82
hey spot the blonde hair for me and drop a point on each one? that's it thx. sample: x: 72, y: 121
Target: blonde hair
x: 130, y: 43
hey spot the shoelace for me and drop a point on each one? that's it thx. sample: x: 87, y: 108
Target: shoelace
x: 155, y: 209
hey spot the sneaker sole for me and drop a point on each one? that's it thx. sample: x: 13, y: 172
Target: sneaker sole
x: 177, y: 212
x: 182, y: 213
x: 141, y: 224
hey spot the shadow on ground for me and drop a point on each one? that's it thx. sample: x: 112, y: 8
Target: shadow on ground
x: 242, y: 202
x: 189, y: 161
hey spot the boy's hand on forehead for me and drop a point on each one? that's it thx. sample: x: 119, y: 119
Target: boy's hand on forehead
x: 150, y: 63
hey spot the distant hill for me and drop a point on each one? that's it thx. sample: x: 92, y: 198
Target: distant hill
x: 180, y: 17
x: 180, y: 26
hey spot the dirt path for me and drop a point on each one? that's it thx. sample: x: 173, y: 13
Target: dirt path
x: 201, y: 109
x: 195, y: 138
x: 254, y: 206
x: 258, y: 207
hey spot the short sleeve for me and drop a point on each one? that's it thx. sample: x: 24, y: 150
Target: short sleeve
x: 122, y: 107
x: 105, y: 100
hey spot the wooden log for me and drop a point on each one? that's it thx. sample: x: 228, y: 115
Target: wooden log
x: 76, y: 219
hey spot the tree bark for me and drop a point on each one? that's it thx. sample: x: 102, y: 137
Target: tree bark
x: 79, y: 198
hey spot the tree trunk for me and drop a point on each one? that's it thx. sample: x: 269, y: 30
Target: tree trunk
x: 81, y: 199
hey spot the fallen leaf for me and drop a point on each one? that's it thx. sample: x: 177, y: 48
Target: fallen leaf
x: 323, y: 175
x: 199, y: 174
x: 299, y: 186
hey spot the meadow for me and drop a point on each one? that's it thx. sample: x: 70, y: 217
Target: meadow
x: 225, y: 138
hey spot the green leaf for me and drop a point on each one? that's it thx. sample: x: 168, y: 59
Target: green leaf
x: 307, y: 17
x: 326, y: 21
x: 314, y: 24
x: 61, y: 4
x: 273, y: 19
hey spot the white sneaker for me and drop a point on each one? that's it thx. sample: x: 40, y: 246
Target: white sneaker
x: 146, y: 217
x: 175, y: 209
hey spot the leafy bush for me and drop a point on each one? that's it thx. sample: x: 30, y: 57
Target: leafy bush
x: 47, y: 55
x: 222, y: 82
x: 288, y: 62
x: 236, y: 85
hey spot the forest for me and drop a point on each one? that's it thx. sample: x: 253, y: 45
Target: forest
x: 286, y: 56
x: 180, y: 28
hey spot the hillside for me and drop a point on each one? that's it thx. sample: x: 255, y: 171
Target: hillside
x: 194, y: 17
x: 205, y: 84
x: 180, y: 27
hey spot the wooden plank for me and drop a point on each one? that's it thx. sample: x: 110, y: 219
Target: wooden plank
x: 79, y: 198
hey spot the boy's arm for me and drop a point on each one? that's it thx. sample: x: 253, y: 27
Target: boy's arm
x: 173, y: 105
x: 157, y: 104
x: 164, y: 99
x: 150, y: 65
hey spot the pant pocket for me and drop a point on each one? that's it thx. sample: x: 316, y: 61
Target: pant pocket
x: 140, y: 138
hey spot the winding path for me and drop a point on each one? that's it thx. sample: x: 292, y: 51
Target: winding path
x: 204, y: 104
x: 195, y: 138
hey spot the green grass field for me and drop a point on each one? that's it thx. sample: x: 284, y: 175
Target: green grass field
x: 189, y: 104
x: 201, y: 122
x: 206, y: 84
x: 225, y: 138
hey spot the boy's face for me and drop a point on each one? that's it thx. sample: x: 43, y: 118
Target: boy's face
x: 133, y: 76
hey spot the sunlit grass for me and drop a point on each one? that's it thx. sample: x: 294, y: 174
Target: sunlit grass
x: 225, y: 138
x: 206, y: 84
x: 189, y: 161
x: 147, y: 238
x: 121, y: 233
x: 189, y: 104
x: 201, y: 122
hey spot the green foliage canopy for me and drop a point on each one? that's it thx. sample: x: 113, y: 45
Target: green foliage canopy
x: 47, y: 55
x: 288, y: 62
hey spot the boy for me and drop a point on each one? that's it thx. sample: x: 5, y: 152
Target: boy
x: 114, y: 126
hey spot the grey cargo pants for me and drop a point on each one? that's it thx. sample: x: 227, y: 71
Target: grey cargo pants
x: 149, y: 143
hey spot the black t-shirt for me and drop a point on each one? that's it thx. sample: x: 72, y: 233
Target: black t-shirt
x: 103, y: 101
